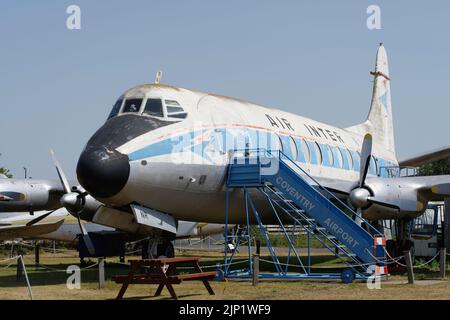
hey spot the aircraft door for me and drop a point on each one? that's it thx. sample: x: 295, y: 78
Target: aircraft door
x: 212, y: 140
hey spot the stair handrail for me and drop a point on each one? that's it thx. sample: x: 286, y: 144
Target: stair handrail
x: 281, y: 153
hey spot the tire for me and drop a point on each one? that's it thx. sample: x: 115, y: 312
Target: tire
x: 144, y: 250
x: 347, y: 276
x: 391, y: 248
x: 166, y: 250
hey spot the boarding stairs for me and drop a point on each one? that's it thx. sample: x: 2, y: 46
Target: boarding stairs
x: 297, y: 197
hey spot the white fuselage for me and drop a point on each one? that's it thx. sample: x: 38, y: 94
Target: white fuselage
x: 180, y: 168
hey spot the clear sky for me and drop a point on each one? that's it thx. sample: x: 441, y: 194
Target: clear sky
x: 308, y: 57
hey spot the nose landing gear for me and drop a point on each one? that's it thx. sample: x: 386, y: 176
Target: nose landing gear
x: 157, y: 248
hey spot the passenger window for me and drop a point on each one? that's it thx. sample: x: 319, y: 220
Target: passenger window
x: 132, y: 105
x: 373, y: 166
x: 330, y: 156
x: 337, y: 156
x: 347, y: 159
x: 319, y: 153
x: 115, y: 110
x: 315, y: 153
x: 327, y: 156
x: 300, y: 154
x: 153, y: 107
x: 350, y: 159
x: 356, y: 160
x: 280, y: 144
x: 293, y: 147
x: 306, y: 152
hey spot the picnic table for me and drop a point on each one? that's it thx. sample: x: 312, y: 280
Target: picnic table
x: 164, y: 273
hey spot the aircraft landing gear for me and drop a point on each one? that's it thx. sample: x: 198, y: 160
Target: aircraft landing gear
x: 157, y: 249
x: 166, y: 249
x: 396, y: 248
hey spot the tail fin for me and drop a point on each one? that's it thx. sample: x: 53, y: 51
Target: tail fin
x: 379, y: 122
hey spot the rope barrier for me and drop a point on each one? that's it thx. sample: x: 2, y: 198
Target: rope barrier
x: 12, y: 258
x: 58, y: 269
x: 48, y: 249
x: 10, y: 264
x: 424, y: 264
x: 396, y: 260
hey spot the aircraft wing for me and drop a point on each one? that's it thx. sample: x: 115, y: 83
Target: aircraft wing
x: 9, y: 232
x: 425, y: 158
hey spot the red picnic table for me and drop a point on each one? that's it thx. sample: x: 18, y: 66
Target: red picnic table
x: 154, y: 272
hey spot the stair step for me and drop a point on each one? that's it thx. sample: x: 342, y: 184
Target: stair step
x: 248, y: 173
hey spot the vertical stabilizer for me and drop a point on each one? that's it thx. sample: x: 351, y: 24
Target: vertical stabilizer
x: 379, y: 122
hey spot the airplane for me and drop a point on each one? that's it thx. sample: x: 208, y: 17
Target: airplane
x: 60, y: 225
x: 165, y: 150
x: 163, y: 155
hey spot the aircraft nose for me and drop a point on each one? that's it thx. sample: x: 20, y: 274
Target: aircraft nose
x: 102, y: 172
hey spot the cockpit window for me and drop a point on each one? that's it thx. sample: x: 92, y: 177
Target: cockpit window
x: 132, y: 105
x: 174, y: 110
x: 153, y: 107
x: 116, y: 108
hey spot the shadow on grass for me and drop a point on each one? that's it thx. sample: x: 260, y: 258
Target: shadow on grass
x: 319, y: 264
x: 162, y: 297
x: 56, y: 274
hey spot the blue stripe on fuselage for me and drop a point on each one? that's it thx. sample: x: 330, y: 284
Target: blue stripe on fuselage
x: 223, y: 139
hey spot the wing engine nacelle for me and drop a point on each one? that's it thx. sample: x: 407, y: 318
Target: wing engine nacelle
x: 392, y: 198
x: 22, y: 195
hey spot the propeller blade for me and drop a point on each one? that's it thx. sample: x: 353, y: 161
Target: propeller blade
x: 384, y: 204
x: 87, y: 240
x: 358, y: 215
x: 366, y: 153
x: 80, y: 195
x: 62, y: 176
x: 36, y: 220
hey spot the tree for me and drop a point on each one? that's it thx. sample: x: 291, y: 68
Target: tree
x: 5, y: 172
x: 436, y: 168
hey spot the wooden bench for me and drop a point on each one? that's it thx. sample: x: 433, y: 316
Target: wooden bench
x: 154, y: 274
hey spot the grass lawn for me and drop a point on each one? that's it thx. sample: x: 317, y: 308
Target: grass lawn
x: 49, y: 282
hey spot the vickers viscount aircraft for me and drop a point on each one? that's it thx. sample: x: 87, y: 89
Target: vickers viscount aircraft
x: 165, y: 151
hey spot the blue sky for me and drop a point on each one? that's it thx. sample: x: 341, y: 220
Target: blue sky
x: 308, y: 57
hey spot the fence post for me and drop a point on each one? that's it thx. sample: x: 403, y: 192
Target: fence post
x: 442, y: 261
x: 255, y: 269
x: 19, y: 271
x: 26, y: 276
x: 101, y: 273
x: 36, y: 253
x: 409, y: 266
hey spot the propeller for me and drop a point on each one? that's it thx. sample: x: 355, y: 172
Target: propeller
x: 366, y: 153
x: 361, y: 197
x: 73, y: 200
x: 41, y: 217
